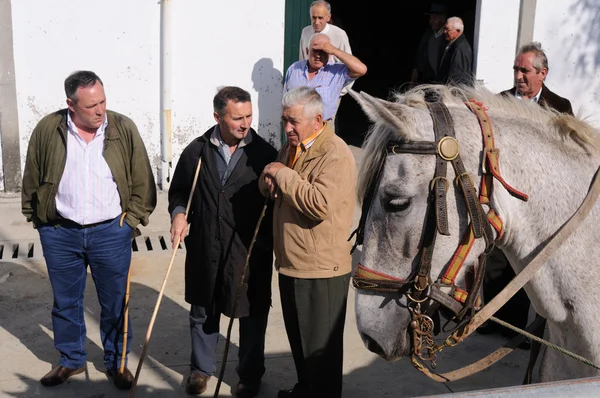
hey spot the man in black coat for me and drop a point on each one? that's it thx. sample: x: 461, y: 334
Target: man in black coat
x: 457, y: 59
x: 223, y: 216
x: 530, y: 70
x: 431, y: 47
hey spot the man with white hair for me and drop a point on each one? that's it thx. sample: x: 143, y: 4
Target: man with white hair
x: 313, y: 183
x: 327, y: 78
x: 457, y: 60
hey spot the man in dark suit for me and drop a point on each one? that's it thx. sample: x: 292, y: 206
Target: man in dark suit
x: 530, y: 70
x: 457, y: 59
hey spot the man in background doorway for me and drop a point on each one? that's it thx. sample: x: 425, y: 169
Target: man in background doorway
x: 457, y: 59
x: 431, y: 47
x: 320, y: 16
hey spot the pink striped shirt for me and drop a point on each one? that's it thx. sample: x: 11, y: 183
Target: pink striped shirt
x: 87, y: 192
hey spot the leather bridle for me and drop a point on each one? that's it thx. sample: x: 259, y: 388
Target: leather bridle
x: 424, y: 295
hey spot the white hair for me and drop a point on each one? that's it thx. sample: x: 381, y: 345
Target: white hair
x: 316, y: 35
x: 321, y: 3
x: 306, y: 96
x: 456, y: 23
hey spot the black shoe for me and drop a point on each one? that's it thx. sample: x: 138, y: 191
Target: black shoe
x: 247, y: 389
x: 196, y: 383
x: 286, y: 394
x: 526, y: 345
x: 123, y: 381
x: 59, y: 375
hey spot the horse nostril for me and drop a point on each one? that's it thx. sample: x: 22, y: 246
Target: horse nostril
x: 372, y: 345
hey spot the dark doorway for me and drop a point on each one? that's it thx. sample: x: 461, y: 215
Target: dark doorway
x: 385, y: 35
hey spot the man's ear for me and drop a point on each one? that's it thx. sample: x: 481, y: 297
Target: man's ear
x: 328, y: 18
x: 217, y: 117
x: 70, y: 104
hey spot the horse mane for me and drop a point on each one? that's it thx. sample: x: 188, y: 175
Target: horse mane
x: 566, y: 127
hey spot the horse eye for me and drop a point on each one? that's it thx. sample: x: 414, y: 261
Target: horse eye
x: 396, y: 204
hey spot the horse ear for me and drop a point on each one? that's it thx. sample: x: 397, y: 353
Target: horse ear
x: 380, y: 111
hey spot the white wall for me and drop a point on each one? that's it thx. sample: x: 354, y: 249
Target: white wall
x: 496, y: 42
x: 569, y: 31
x: 225, y: 42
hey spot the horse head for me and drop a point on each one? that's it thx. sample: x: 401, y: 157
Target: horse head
x: 396, y: 186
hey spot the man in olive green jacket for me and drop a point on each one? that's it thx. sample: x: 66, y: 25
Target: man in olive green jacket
x: 313, y: 183
x: 87, y: 184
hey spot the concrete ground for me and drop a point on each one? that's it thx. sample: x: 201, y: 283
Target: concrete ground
x: 27, y: 352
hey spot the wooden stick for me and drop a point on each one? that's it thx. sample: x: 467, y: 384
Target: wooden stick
x: 162, y: 289
x: 237, y: 297
x: 125, y: 324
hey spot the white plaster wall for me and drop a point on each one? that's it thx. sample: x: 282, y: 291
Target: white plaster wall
x: 227, y: 42
x: 1, y: 167
x: 569, y: 31
x: 495, y: 42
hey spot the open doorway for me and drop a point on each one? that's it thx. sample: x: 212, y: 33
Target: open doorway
x: 385, y: 35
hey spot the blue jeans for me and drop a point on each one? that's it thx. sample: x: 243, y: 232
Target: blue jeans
x: 68, y: 250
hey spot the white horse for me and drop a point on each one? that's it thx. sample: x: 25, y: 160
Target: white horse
x: 551, y: 157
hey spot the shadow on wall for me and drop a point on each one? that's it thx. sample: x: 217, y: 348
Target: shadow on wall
x: 267, y: 82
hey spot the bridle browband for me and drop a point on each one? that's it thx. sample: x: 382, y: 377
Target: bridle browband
x: 425, y: 296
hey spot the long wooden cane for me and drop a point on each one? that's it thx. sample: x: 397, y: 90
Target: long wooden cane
x: 162, y: 289
x: 237, y: 297
x: 125, y: 324
x: 126, y: 316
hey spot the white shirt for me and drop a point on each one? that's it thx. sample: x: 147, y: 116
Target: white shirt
x: 535, y: 99
x: 87, y: 192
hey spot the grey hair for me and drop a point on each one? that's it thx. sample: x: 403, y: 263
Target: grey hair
x: 306, y: 96
x: 316, y: 35
x: 322, y: 3
x: 541, y: 61
x: 456, y: 23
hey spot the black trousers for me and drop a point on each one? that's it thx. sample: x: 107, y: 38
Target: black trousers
x: 498, y: 274
x: 314, y: 312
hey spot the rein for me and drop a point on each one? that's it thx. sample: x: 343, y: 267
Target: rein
x: 419, y: 288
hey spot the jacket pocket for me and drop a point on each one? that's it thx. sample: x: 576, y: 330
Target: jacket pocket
x: 309, y: 239
x: 44, y: 196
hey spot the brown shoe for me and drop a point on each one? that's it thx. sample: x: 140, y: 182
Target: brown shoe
x: 196, y: 383
x: 123, y: 381
x: 59, y: 375
x: 247, y: 390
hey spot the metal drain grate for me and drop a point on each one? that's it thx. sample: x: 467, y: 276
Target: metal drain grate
x: 32, y: 249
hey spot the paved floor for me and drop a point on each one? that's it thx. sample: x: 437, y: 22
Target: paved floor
x: 27, y: 353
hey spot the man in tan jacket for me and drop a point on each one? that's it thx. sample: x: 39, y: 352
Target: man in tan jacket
x: 313, y: 183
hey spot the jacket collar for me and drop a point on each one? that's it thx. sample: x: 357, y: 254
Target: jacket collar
x: 317, y: 149
x: 111, y: 132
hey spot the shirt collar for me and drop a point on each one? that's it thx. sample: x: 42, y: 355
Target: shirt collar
x: 72, y: 128
x: 217, y: 140
x: 534, y: 99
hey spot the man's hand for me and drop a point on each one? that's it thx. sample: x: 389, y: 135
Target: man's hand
x: 268, y: 176
x: 324, y: 46
x: 272, y: 168
x: 179, y: 228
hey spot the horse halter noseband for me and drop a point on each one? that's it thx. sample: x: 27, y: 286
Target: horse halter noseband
x: 424, y: 295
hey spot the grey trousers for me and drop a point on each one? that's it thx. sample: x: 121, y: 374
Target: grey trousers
x: 314, y: 312
x: 204, y: 329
